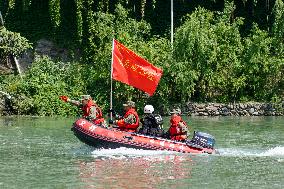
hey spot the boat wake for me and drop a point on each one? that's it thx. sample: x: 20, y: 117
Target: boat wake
x: 139, y: 155
x: 277, y: 151
x: 272, y: 152
x: 123, y: 152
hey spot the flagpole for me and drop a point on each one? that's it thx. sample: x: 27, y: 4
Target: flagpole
x: 172, y: 23
x: 111, y: 71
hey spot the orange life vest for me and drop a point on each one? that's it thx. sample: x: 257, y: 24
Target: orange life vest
x: 99, y: 115
x: 175, y: 130
x: 129, y: 127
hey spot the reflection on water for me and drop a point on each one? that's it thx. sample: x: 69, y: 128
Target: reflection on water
x: 7, y: 122
x: 128, y: 171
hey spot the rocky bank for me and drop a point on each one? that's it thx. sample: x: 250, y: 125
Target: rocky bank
x: 232, y: 109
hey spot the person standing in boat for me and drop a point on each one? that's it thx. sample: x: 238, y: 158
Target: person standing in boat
x: 91, y: 110
x: 178, y: 129
x: 130, y: 121
x: 152, y: 124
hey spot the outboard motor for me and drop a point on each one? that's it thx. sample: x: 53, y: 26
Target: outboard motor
x: 203, y: 139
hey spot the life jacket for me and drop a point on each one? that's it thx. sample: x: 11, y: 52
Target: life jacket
x: 129, y: 127
x: 99, y: 115
x: 175, y: 129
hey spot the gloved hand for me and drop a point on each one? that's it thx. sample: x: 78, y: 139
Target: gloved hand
x: 64, y: 98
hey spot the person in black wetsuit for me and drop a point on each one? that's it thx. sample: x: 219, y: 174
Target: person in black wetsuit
x: 152, y: 124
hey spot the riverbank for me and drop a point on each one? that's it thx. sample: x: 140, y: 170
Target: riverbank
x: 233, y: 109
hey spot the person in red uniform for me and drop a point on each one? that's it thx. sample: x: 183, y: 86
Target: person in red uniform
x: 91, y: 110
x: 130, y: 121
x: 178, y: 129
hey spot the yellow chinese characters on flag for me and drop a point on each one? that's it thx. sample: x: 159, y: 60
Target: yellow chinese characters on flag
x: 133, y: 70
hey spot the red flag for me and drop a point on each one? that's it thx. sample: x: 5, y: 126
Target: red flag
x: 133, y: 70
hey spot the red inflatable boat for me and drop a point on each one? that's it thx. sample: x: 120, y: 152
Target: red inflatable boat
x: 98, y: 136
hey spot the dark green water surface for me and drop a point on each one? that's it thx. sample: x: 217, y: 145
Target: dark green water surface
x: 44, y: 153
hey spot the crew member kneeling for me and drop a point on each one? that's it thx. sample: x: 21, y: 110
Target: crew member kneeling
x: 130, y: 120
x: 178, y: 129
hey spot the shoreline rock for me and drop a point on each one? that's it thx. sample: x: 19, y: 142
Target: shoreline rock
x: 231, y: 109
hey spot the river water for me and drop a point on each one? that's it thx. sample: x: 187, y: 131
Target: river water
x: 44, y: 153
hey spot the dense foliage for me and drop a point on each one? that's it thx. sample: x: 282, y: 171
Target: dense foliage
x: 12, y: 43
x: 220, y: 53
x: 37, y: 93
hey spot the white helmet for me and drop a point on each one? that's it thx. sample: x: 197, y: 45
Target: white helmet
x: 148, y: 109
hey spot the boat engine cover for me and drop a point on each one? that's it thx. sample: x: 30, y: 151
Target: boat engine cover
x: 203, y: 139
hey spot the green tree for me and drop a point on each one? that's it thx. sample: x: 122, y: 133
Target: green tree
x: 12, y: 43
x: 262, y: 69
x: 207, y: 52
x: 278, y: 27
x: 37, y: 93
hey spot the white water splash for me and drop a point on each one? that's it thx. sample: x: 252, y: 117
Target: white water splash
x: 235, y: 152
x: 276, y: 151
x: 128, y: 152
